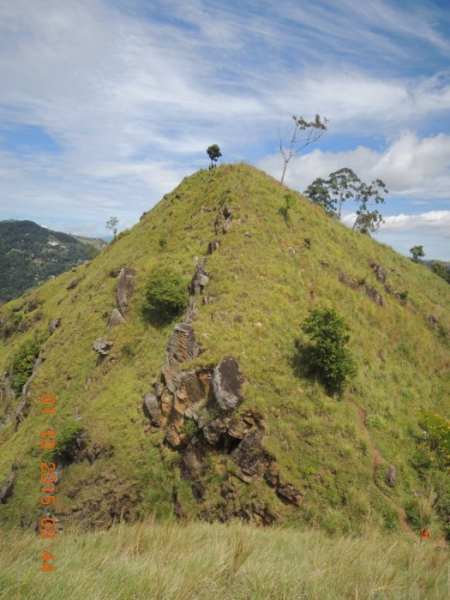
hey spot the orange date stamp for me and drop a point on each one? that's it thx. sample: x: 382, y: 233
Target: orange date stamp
x: 48, y: 479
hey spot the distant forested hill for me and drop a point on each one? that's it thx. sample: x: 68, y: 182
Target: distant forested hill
x: 31, y: 254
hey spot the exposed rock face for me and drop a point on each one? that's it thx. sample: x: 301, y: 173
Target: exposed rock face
x: 73, y: 284
x: 223, y: 220
x: 227, y: 384
x: 7, y: 488
x: 379, y: 272
x: 24, y: 404
x: 373, y: 294
x: 153, y: 409
x: 348, y: 281
x: 115, y: 319
x: 391, y: 476
x: 124, y: 289
x: 54, y: 325
x: 432, y: 321
x: 102, y: 346
x: 200, y: 279
x: 212, y: 246
x: 182, y: 346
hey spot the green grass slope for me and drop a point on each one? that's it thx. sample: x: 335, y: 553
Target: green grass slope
x: 269, y: 270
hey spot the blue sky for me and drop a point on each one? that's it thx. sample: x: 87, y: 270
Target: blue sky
x: 105, y: 105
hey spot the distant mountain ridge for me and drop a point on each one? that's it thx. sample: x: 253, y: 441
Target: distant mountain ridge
x: 30, y: 254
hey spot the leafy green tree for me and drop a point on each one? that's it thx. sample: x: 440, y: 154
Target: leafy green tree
x: 301, y: 134
x: 439, y: 269
x: 214, y: 154
x: 344, y: 185
x: 111, y: 225
x: 329, y: 359
x: 417, y: 253
x: 166, y: 295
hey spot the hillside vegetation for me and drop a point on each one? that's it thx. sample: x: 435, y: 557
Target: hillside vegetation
x: 132, y: 443
x: 30, y: 254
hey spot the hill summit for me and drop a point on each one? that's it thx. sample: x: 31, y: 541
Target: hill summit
x: 211, y: 412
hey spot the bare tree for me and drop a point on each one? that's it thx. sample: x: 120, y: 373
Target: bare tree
x: 301, y: 134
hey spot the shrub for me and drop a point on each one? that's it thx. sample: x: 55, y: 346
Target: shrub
x: 166, y: 294
x: 328, y: 358
x: 66, y: 442
x: 23, y: 365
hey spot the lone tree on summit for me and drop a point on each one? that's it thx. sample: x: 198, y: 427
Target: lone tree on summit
x: 214, y: 154
x: 301, y: 134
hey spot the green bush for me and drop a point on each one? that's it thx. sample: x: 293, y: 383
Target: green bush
x: 329, y: 359
x: 66, y: 442
x: 166, y: 294
x: 23, y: 365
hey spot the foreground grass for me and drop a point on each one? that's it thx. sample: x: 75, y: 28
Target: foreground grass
x: 168, y: 561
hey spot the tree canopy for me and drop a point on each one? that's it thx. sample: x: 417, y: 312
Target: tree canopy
x: 343, y: 185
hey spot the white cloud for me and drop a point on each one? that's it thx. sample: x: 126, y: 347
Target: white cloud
x: 411, y: 166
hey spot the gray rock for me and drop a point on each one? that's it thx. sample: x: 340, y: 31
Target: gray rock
x: 200, y: 279
x: 73, y: 284
x: 54, y: 325
x: 116, y: 318
x: 227, y: 384
x: 102, y: 346
x: 214, y: 431
x: 192, y: 465
x: 153, y: 409
x: 391, y: 476
x: 373, y: 294
x: 124, y: 289
x: 432, y: 321
x: 7, y: 488
x: 212, y: 246
x: 379, y: 272
x: 182, y: 346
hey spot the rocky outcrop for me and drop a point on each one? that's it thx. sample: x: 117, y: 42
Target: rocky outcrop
x: 223, y: 220
x: 373, y: 294
x: 73, y: 284
x: 7, y: 487
x: 227, y: 384
x: 379, y: 272
x: 54, y: 325
x: 124, y: 289
x: 24, y: 404
x: 212, y: 246
x: 348, y: 281
x: 182, y: 346
x: 200, y: 279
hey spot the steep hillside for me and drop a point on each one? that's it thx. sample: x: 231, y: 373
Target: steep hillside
x: 30, y: 254
x: 213, y: 414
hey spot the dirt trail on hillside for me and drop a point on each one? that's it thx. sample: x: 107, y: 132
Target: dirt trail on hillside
x: 377, y: 460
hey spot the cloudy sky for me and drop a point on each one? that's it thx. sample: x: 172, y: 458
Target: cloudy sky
x: 105, y: 105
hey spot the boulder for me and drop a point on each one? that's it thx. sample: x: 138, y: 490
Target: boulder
x: 73, y: 284
x: 432, y: 321
x: 391, y: 476
x: 54, y: 325
x: 373, y: 294
x: 379, y: 272
x: 153, y: 409
x: 192, y: 465
x: 215, y: 430
x: 200, y: 279
x: 116, y: 318
x: 102, y: 346
x: 249, y: 455
x: 7, y: 488
x: 227, y: 384
x: 124, y: 289
x: 212, y: 246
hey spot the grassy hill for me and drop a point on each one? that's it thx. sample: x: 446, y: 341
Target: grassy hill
x: 132, y: 443
x: 30, y: 254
